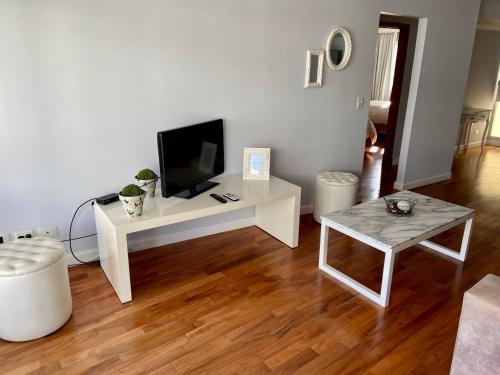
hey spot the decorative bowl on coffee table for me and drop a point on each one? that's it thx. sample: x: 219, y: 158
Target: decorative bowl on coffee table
x: 400, y: 207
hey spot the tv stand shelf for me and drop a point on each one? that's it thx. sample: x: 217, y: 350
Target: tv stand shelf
x: 277, y: 211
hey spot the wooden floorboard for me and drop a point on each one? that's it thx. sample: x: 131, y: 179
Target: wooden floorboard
x: 242, y: 302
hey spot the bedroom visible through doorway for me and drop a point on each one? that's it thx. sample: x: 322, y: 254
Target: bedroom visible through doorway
x: 391, y: 82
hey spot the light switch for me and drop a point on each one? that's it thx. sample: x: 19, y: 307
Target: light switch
x: 360, y: 102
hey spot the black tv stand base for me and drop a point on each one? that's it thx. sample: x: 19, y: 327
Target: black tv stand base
x: 196, y: 189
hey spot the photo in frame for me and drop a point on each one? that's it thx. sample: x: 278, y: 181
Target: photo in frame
x: 256, y: 163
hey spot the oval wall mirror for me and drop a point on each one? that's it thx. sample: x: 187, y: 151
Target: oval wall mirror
x: 338, y: 48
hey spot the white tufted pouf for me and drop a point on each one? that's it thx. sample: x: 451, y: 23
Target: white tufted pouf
x: 34, y: 288
x: 334, y: 191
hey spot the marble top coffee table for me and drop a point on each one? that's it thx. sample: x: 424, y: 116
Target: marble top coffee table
x: 369, y: 223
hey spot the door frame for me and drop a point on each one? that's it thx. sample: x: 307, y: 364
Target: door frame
x: 397, y: 86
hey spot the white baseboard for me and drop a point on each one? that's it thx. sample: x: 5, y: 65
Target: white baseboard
x: 422, y: 182
x: 398, y: 186
x: 306, y: 209
x: 84, y: 255
x: 471, y: 144
x: 493, y: 142
x: 165, y: 239
x: 184, y: 235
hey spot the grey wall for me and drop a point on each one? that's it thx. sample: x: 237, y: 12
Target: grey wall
x: 490, y: 9
x: 483, y: 76
x: 483, y: 69
x: 85, y: 86
x: 431, y: 122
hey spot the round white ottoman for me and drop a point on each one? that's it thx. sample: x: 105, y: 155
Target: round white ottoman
x: 334, y: 191
x: 35, y: 298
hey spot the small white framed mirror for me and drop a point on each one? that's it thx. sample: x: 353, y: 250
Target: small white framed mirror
x: 314, y: 68
x: 338, y: 48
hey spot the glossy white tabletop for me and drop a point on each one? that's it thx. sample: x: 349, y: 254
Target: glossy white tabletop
x: 163, y: 211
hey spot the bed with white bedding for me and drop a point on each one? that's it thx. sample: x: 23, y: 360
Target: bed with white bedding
x: 377, y: 119
x: 379, y: 111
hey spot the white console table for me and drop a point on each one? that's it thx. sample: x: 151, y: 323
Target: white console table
x: 470, y: 116
x: 277, y: 211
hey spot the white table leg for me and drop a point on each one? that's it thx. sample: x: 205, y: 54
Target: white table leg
x: 113, y: 254
x: 469, y: 128
x: 464, y: 248
x: 385, y: 291
x: 460, y: 135
x: 323, y: 245
x: 485, y: 133
x: 382, y: 298
x: 280, y: 219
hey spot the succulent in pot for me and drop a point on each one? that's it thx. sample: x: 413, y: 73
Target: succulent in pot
x: 146, y: 179
x: 132, y: 197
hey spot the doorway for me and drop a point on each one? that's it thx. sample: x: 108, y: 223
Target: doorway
x: 391, y: 81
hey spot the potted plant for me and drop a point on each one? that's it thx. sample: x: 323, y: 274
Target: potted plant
x: 146, y: 179
x: 132, y: 197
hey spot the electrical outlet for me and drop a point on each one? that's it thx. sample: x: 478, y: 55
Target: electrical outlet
x: 23, y: 234
x: 50, y: 232
x: 4, y: 238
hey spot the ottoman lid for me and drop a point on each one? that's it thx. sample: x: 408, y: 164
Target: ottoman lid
x: 337, y: 178
x: 28, y: 255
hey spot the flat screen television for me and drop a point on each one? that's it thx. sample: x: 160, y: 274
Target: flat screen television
x: 189, y: 157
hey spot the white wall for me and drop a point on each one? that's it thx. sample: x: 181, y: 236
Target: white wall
x: 85, y: 86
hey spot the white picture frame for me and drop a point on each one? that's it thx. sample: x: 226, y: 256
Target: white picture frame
x: 256, y: 163
x: 314, y: 68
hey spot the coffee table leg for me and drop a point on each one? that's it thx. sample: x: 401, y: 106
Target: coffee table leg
x: 382, y: 298
x: 385, y: 290
x: 464, y: 248
x: 323, y: 245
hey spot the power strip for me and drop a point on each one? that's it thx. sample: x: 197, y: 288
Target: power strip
x: 4, y: 238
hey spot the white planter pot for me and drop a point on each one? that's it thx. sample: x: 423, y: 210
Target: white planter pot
x: 133, y: 205
x: 148, y: 185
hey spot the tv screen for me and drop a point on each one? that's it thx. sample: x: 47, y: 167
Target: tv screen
x: 189, y: 156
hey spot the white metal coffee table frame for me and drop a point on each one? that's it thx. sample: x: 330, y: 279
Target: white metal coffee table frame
x: 382, y: 298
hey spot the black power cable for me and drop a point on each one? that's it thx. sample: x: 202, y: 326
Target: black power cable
x: 70, y: 228
x: 79, y: 238
x: 90, y: 235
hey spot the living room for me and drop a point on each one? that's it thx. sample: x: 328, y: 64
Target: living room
x: 94, y: 92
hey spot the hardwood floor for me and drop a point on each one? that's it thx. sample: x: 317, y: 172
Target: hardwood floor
x: 242, y: 302
x: 377, y: 180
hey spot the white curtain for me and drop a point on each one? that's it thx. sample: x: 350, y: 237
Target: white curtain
x: 385, y: 63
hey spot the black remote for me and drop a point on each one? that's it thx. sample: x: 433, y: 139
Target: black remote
x: 219, y: 198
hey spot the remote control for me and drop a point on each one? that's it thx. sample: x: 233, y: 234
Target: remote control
x: 231, y: 197
x: 218, y: 197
